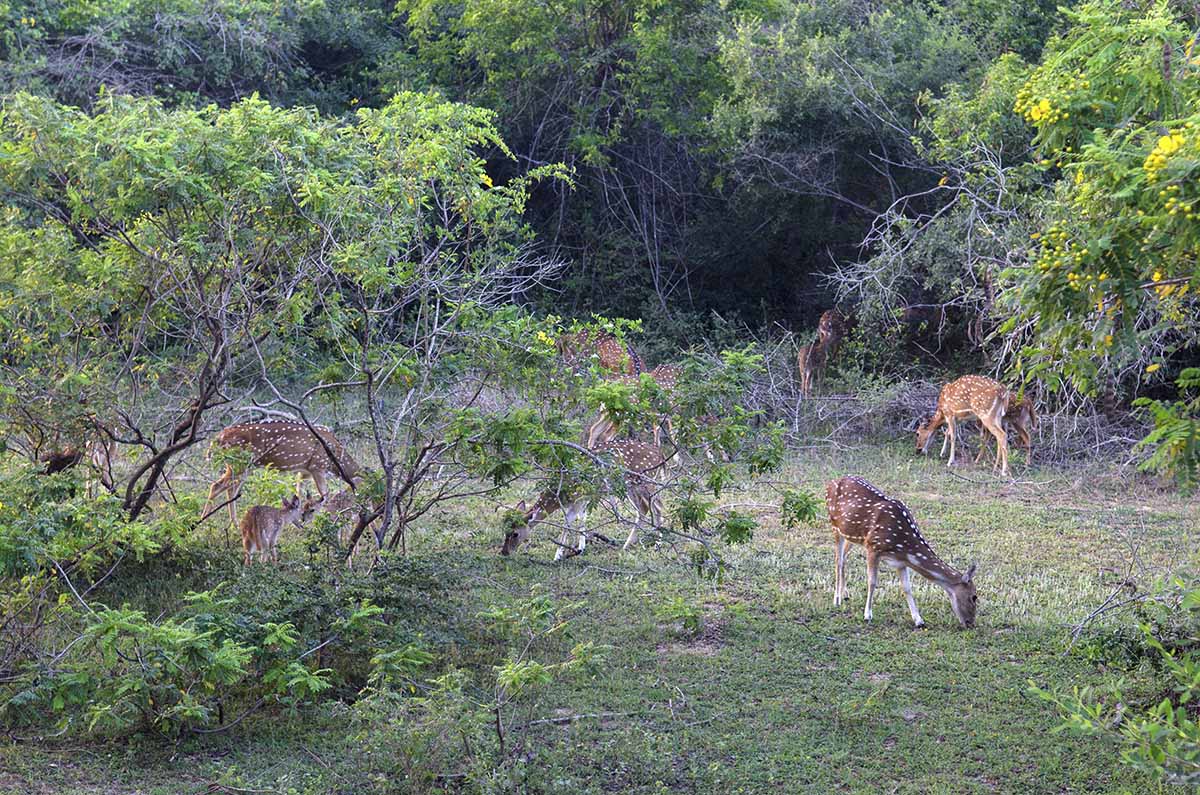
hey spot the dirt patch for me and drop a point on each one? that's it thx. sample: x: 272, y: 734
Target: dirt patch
x: 710, y: 641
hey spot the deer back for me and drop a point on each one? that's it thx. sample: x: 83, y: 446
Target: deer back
x: 288, y: 446
x: 974, y: 394
x: 614, y: 356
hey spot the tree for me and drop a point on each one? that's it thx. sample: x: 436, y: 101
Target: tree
x: 161, y: 262
x: 1110, y: 281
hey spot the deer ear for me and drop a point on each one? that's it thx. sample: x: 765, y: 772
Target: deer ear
x: 520, y: 506
x: 970, y: 573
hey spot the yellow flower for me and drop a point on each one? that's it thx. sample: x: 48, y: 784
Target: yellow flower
x: 1152, y: 368
x: 486, y: 180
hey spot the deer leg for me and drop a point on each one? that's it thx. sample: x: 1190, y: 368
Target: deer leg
x: 640, y: 504
x: 950, y: 431
x: 872, y: 578
x: 577, y: 520
x: 564, y: 538
x: 906, y: 584
x: 839, y: 569
x: 318, y: 479
x: 219, y: 486
x: 993, y: 425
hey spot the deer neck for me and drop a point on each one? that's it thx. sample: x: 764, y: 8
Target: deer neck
x: 548, y: 502
x: 936, y: 570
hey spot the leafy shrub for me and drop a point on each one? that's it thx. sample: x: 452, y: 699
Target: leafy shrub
x: 1176, y: 436
x: 457, y: 728
x: 685, y: 619
x: 1159, y: 733
x: 799, y: 506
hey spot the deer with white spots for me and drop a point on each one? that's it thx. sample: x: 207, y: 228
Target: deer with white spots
x: 261, y: 526
x: 862, y: 514
x: 1023, y: 418
x: 288, y: 446
x: 972, y: 396
x: 613, y: 356
x: 638, y: 462
x: 666, y: 376
x: 811, y: 359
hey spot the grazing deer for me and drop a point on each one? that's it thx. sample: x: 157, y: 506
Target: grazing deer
x: 261, y: 526
x: 862, y: 514
x: 100, y: 452
x: 638, y: 461
x: 970, y: 396
x: 286, y: 445
x: 614, y: 356
x: 60, y: 459
x: 1023, y: 418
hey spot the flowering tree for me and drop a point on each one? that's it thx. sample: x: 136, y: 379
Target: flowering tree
x: 1110, y: 285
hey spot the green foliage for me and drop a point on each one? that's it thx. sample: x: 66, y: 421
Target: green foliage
x: 1112, y: 275
x: 736, y: 527
x: 179, y: 49
x: 1159, y: 734
x: 691, y: 512
x: 168, y: 675
x: 423, y: 730
x: 44, y: 520
x: 799, y: 507
x: 1175, y: 440
x: 686, y: 620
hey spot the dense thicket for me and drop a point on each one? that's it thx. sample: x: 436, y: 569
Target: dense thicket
x: 726, y: 155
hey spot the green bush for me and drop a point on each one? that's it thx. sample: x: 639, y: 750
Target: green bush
x: 1157, y: 731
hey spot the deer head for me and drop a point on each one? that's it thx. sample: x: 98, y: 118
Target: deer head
x: 963, y: 600
x: 925, y: 431
x: 520, y: 526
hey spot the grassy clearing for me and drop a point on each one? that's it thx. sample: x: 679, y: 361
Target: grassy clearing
x: 778, y: 692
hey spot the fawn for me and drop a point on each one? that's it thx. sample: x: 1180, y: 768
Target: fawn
x: 261, y: 526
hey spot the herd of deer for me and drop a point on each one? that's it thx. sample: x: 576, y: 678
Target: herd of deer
x: 859, y: 512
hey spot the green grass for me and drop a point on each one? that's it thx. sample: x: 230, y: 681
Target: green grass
x: 779, y: 691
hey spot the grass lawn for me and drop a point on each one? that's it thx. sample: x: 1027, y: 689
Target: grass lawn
x: 779, y: 691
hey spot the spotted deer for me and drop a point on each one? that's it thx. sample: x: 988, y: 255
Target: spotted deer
x: 862, y: 514
x: 286, y: 445
x: 831, y: 330
x: 261, y: 526
x: 613, y: 356
x: 638, y: 463
x: 606, y: 428
x: 1023, y: 418
x: 812, y: 359
x: 970, y: 396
